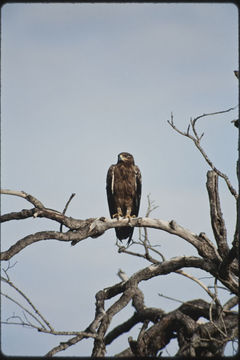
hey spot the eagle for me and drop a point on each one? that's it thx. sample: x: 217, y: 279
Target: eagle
x: 124, y: 186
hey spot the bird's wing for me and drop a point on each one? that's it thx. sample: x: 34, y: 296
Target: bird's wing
x: 138, y: 190
x: 110, y: 190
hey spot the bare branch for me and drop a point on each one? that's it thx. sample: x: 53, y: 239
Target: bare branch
x: 196, y: 139
x: 231, y: 303
x: 222, y: 175
x: 20, y: 215
x: 21, y: 306
x: 69, y: 200
x: 9, y: 266
x: 144, y: 240
x: 66, y: 206
x: 78, y: 334
x: 213, y: 113
x: 24, y: 195
x: 146, y: 256
x: 11, y: 284
x: 170, y: 298
x: 30, y: 239
x: 46, y: 331
x: 217, y: 221
x: 228, y: 263
x: 210, y: 313
x: 96, y: 227
x: 123, y: 276
x: 64, y: 345
x: 151, y: 207
x: 181, y: 272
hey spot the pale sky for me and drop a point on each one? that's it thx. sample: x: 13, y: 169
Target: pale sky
x: 80, y: 84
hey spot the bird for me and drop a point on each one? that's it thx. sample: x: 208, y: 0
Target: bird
x: 124, y: 187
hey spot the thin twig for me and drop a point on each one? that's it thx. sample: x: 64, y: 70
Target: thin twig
x: 181, y: 272
x: 65, y: 209
x: 29, y: 302
x: 170, y: 298
x: 46, y: 331
x: 210, y: 310
x: 146, y: 256
x: 151, y: 207
x: 8, y: 268
x: 22, y: 307
x: 213, y: 113
x: 158, y: 252
x: 196, y: 139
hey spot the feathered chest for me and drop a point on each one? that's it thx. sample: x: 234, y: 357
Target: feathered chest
x: 124, y: 180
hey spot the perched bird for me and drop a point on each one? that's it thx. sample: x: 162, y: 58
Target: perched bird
x: 124, y: 185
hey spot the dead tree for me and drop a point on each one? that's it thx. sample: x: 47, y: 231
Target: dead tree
x: 218, y: 257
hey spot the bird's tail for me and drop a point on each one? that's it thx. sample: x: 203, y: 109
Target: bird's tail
x: 124, y: 233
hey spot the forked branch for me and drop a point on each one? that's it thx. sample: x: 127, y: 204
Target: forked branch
x: 196, y: 138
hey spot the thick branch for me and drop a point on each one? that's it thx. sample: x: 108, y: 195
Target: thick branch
x: 96, y: 227
x: 231, y: 303
x: 228, y: 263
x: 30, y: 239
x: 218, y: 226
x: 160, y: 334
x: 143, y: 275
x: 152, y: 314
x: 82, y: 229
x: 19, y: 215
x: 193, y: 339
x: 217, y: 221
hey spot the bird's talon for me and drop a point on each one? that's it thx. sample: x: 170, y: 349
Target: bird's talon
x: 129, y: 217
x: 117, y: 216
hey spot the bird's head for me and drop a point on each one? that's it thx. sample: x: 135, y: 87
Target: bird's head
x: 125, y: 157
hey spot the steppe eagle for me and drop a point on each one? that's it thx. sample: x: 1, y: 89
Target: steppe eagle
x: 124, y: 185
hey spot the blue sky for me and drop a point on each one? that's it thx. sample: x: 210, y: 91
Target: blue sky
x: 80, y: 84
